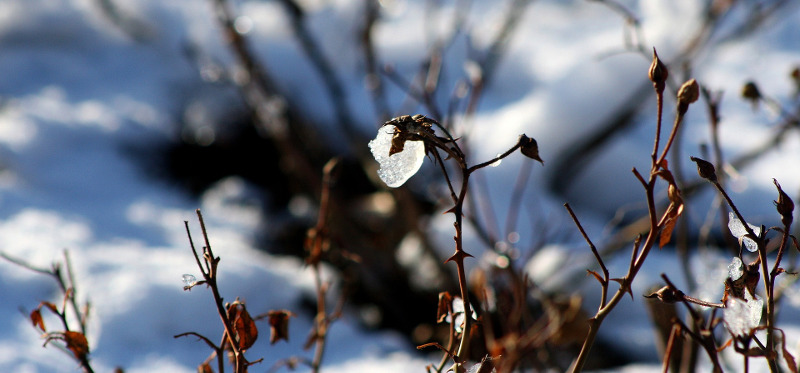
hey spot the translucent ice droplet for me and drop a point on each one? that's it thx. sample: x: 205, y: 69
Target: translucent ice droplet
x: 735, y: 269
x: 497, y: 162
x: 397, y: 169
x: 189, y: 280
x: 742, y: 315
x: 737, y: 230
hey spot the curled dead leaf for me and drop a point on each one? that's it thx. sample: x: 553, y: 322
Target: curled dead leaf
x: 244, y: 328
x: 36, y: 319
x: 77, y: 343
x: 445, y: 300
x: 279, y: 325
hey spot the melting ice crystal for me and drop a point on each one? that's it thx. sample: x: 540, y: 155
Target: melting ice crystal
x: 735, y: 269
x: 458, y: 312
x: 189, y: 280
x: 742, y: 315
x: 396, y: 169
x: 738, y: 231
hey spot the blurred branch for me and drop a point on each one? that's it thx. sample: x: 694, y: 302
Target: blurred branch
x: 74, y: 342
x: 134, y: 28
x: 374, y: 80
x: 491, y: 59
x: 336, y: 92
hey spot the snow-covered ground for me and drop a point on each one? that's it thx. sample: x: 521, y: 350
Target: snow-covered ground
x: 82, y: 98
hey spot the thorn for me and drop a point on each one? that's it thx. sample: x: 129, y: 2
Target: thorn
x: 458, y: 256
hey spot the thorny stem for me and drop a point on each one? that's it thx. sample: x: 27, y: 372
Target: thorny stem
x: 321, y: 322
x: 606, y: 276
x: 674, y: 333
x: 460, y: 254
x: 210, y: 276
x: 458, y: 258
x: 316, y: 247
x: 704, y: 337
x: 637, y: 260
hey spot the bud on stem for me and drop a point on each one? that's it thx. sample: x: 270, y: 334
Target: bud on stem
x: 705, y: 169
x: 687, y: 94
x: 658, y: 73
x: 784, y: 204
x: 530, y: 148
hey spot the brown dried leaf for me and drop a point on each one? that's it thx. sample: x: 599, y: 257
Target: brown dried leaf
x: 36, y: 319
x: 445, y: 302
x: 753, y: 352
x: 789, y: 359
x: 596, y: 275
x: 205, y: 368
x: 279, y: 325
x: 76, y: 342
x: 725, y: 345
x: 49, y: 305
x: 666, y: 232
x: 669, y: 225
x: 244, y: 327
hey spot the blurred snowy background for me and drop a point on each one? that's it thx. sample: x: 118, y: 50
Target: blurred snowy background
x: 118, y: 118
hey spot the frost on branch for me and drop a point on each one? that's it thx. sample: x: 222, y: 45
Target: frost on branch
x: 737, y: 229
x: 742, y: 315
x: 399, y: 167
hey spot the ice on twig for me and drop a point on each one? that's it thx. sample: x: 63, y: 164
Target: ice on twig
x: 735, y: 269
x: 399, y: 167
x: 497, y: 162
x: 742, y: 315
x: 189, y: 280
x: 737, y: 229
x: 458, y: 312
x: 481, y: 367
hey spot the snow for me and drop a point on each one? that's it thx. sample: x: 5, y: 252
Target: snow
x: 83, y: 101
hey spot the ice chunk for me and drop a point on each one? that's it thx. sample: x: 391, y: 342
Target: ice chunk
x: 735, y: 269
x: 399, y: 167
x: 480, y: 367
x: 738, y: 231
x: 189, y: 280
x: 458, y: 312
x: 742, y: 316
